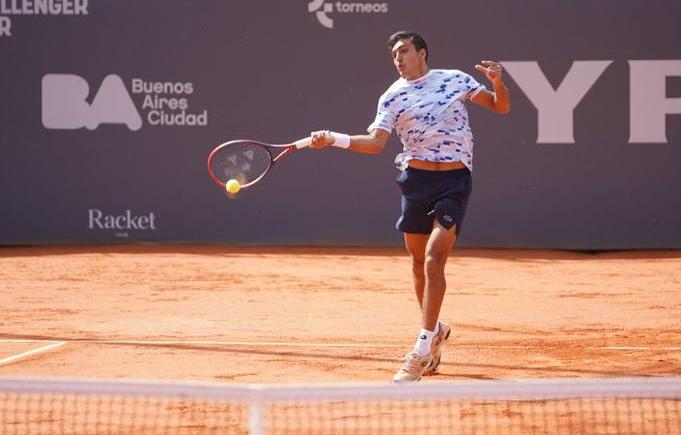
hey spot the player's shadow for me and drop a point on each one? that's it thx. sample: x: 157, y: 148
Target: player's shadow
x: 357, y: 356
x: 11, y: 251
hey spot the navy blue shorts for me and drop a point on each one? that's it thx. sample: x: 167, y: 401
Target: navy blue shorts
x: 428, y: 195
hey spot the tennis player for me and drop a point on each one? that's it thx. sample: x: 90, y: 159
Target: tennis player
x: 427, y: 109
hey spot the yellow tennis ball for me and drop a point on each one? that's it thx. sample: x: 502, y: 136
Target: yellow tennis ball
x: 232, y: 186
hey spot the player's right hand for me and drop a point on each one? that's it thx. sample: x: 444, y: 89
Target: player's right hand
x: 321, y: 139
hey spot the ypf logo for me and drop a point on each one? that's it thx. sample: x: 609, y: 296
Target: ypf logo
x: 65, y: 104
x: 321, y: 9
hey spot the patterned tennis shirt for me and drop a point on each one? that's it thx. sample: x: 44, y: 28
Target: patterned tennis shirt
x: 430, y: 117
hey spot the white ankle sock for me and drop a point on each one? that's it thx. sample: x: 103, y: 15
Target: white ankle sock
x: 423, y: 342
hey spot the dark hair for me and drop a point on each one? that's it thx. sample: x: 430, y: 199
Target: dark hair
x: 413, y: 37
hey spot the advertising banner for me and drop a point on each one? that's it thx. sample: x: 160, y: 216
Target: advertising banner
x: 108, y: 111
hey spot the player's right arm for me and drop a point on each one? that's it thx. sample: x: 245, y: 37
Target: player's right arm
x: 372, y: 143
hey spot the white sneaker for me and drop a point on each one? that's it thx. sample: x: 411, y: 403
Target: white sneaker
x: 412, y: 369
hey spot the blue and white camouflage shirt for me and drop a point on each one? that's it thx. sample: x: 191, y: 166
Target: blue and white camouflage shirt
x: 430, y: 116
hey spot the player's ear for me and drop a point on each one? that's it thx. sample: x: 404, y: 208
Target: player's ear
x: 423, y: 53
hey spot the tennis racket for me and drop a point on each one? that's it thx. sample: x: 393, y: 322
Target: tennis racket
x: 247, y: 161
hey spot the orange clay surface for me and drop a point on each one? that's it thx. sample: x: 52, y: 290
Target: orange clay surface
x: 303, y: 315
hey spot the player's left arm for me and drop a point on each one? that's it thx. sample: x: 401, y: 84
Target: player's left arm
x: 498, y: 101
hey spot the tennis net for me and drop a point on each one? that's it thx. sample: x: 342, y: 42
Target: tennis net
x: 588, y: 406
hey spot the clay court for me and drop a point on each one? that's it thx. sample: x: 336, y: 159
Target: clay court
x: 308, y: 315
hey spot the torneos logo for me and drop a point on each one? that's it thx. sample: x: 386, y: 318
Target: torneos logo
x: 322, y: 9
x: 65, y: 103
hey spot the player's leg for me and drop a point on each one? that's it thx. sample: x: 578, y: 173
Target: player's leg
x: 439, y: 245
x: 423, y: 248
x: 416, y: 246
x: 429, y: 254
x: 416, y: 225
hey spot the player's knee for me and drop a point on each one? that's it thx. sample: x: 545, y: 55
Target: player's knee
x: 435, y: 262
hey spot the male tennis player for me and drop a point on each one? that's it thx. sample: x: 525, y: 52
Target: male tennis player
x: 426, y: 107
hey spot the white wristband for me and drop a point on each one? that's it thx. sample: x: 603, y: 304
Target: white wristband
x: 341, y: 140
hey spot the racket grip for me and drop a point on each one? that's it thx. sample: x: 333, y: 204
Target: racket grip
x: 303, y: 143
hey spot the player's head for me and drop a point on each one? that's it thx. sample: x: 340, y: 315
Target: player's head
x: 410, y: 53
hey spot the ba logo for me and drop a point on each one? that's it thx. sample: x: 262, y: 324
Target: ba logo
x: 65, y: 103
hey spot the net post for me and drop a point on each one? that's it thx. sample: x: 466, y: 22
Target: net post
x: 256, y: 412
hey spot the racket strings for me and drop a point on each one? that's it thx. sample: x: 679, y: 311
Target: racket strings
x: 244, y: 162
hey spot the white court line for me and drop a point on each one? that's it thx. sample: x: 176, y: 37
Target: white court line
x: 636, y: 348
x: 41, y: 349
x: 344, y: 345
x: 208, y: 343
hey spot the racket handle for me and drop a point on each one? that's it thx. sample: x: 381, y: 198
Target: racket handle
x: 303, y: 143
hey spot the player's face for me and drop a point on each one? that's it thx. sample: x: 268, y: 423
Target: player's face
x: 410, y: 64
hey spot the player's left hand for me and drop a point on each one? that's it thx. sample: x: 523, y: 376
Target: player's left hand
x: 492, y: 70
